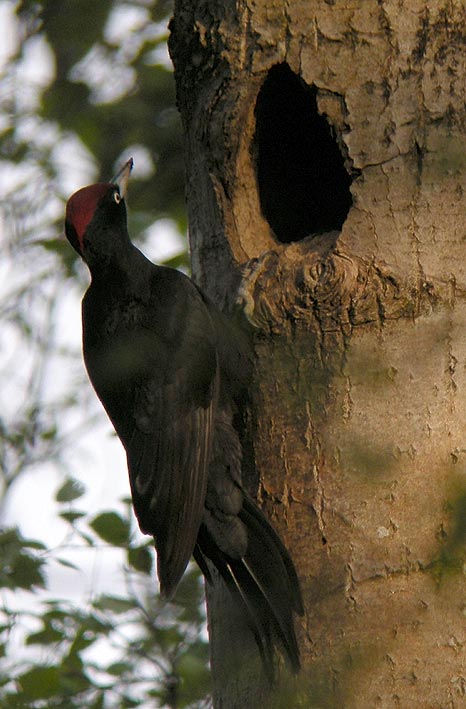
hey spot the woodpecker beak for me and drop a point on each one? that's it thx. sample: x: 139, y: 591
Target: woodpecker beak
x: 122, y: 177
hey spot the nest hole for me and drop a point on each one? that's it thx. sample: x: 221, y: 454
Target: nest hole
x: 304, y: 187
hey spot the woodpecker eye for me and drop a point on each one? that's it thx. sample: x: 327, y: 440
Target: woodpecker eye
x: 117, y: 197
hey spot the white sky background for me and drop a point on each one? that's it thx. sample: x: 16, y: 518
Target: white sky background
x: 96, y: 458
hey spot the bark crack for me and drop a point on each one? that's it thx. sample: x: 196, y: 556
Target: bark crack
x: 412, y: 567
x: 318, y: 506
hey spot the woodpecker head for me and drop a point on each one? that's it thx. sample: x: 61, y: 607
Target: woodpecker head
x: 95, y: 222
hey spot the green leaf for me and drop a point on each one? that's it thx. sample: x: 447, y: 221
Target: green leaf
x: 74, y: 681
x: 92, y: 622
x: 47, y: 636
x: 71, y: 517
x: 50, y: 434
x: 67, y: 564
x: 195, y: 678
x: 56, y: 612
x: 11, y: 542
x: 87, y: 538
x: 118, y: 668
x: 112, y: 528
x: 24, y: 572
x: 82, y: 640
x: 70, y: 490
x: 116, y: 604
x: 40, y: 682
x: 168, y: 638
x: 140, y: 558
x: 33, y: 544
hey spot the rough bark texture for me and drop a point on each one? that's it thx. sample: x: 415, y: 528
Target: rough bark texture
x: 358, y: 433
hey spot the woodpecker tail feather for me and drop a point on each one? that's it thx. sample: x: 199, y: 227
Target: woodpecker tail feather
x: 264, y: 582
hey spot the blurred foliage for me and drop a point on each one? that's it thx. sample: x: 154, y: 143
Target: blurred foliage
x: 113, y: 89
x: 158, y: 650
x: 82, y: 86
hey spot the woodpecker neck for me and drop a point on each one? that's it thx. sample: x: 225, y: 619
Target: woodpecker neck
x: 106, y: 247
x: 124, y: 273
x: 113, y: 265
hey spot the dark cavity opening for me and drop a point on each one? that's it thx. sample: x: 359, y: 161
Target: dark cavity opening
x: 304, y: 187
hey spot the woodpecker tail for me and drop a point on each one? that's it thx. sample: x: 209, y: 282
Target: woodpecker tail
x: 264, y: 582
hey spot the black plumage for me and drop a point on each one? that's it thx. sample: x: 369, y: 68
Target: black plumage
x: 169, y: 369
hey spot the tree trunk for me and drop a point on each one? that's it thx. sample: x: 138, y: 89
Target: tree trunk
x: 326, y: 152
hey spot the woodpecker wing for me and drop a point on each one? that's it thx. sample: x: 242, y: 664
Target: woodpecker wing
x: 157, y: 376
x: 169, y: 447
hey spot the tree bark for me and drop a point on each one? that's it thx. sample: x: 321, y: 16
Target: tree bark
x: 356, y: 433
